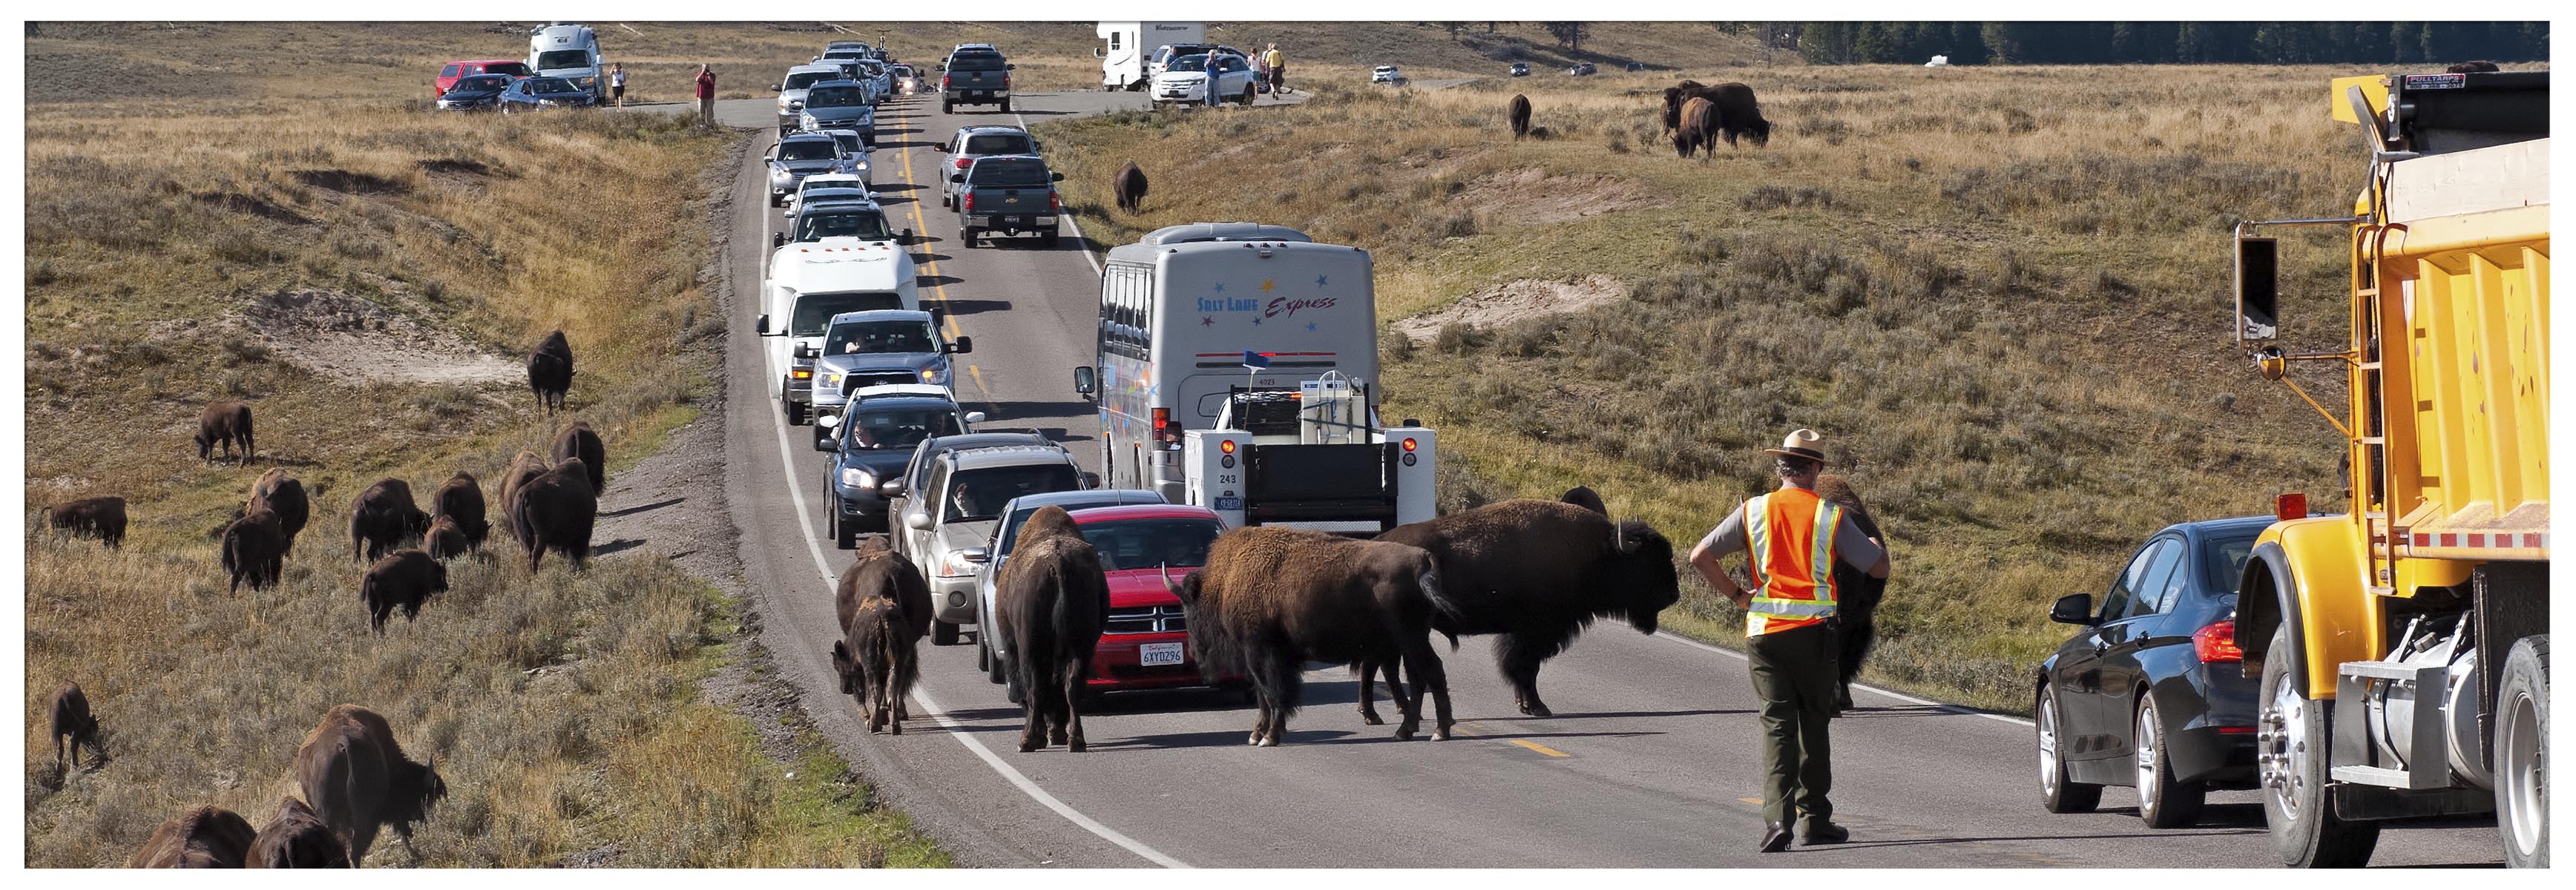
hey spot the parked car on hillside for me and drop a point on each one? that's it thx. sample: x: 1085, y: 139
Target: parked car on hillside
x: 1163, y: 55
x: 1520, y: 69
x: 1387, y: 74
x: 869, y: 440
x: 1010, y: 194
x: 969, y: 488
x: 1582, y: 69
x: 481, y: 92
x: 452, y: 72
x: 1185, y: 80
x: 543, y: 93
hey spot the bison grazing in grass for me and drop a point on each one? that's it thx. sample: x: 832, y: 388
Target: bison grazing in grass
x: 556, y: 511
x: 227, y: 424
x: 404, y: 578
x: 205, y: 837
x: 1048, y: 606
x: 523, y: 469
x: 444, y: 541
x: 881, y: 574
x: 382, y: 518
x: 101, y: 518
x: 356, y: 778
x: 1272, y: 599
x: 1537, y: 573
x: 1130, y: 188
x: 297, y: 839
x: 550, y: 371
x: 1520, y: 112
x: 578, y: 441
x: 461, y: 499
x: 254, y: 550
x: 1856, y: 594
x: 283, y: 495
x: 74, y: 727
x: 1732, y: 112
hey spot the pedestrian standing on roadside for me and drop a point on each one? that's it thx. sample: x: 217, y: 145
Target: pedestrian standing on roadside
x: 1277, y: 63
x: 617, y: 83
x: 1791, y: 538
x: 706, y: 96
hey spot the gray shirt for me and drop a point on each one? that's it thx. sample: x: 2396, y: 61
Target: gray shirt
x: 1849, y: 542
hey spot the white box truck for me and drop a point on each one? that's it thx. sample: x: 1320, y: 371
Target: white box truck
x: 1130, y: 44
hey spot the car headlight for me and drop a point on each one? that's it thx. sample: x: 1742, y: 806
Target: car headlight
x: 956, y: 565
x: 833, y: 381
x: 585, y: 81
x: 853, y: 477
x: 935, y: 374
x: 859, y: 165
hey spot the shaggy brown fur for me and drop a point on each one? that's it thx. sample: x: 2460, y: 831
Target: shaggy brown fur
x: 358, y: 781
x: 382, y: 518
x: 885, y: 574
x: 205, y: 837
x: 101, y: 518
x: 1698, y: 129
x: 578, y: 441
x: 73, y: 726
x: 1856, y: 594
x: 875, y: 658
x: 1048, y: 606
x: 527, y: 466
x: 405, y: 579
x: 550, y: 371
x: 297, y: 839
x: 254, y: 550
x: 283, y: 495
x: 1130, y: 187
x: 556, y: 511
x: 461, y: 499
x: 227, y: 424
x: 1520, y: 115
x: 444, y: 541
x: 1674, y: 96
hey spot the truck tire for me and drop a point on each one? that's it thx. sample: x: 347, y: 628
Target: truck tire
x: 795, y: 413
x: 942, y: 633
x: 947, y: 107
x: 2521, y: 758
x: 2293, y: 737
x: 1049, y: 239
x: 1006, y: 106
x: 2057, y: 792
x: 2162, y: 801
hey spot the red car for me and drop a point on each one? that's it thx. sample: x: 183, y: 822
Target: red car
x: 1145, y: 643
x: 449, y: 73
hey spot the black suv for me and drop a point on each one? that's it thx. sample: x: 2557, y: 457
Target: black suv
x: 975, y: 74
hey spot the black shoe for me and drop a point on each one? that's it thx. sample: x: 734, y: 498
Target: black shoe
x: 1824, y: 833
x: 1775, y: 837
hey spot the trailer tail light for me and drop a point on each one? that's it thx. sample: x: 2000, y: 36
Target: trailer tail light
x: 2290, y: 506
x: 1225, y: 445
x: 1409, y: 444
x: 1162, y: 425
x: 2217, y: 643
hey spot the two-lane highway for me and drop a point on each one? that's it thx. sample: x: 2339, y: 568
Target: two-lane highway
x: 1649, y: 762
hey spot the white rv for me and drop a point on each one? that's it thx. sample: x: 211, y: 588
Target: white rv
x: 570, y: 52
x: 1130, y: 44
x: 811, y: 281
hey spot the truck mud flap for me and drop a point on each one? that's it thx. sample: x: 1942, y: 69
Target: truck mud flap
x: 2368, y: 803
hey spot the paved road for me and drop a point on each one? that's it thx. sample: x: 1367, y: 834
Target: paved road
x: 1648, y: 763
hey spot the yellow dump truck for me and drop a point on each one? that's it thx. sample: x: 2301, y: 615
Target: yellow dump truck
x: 2404, y: 646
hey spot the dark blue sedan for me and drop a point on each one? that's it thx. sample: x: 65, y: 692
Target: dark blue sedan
x: 536, y: 93
x: 479, y: 92
x: 2150, y: 694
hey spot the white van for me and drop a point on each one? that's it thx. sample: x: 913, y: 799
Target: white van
x: 1129, y: 44
x: 811, y: 281
x: 570, y: 52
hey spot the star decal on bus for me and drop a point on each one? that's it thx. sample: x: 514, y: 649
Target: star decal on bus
x: 1267, y: 284
x: 1319, y: 281
x: 1207, y: 320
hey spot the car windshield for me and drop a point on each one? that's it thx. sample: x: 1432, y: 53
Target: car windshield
x: 803, y: 79
x: 551, y: 85
x: 865, y: 224
x: 564, y: 58
x: 998, y: 144
x: 809, y: 150
x: 898, y: 335
x: 814, y: 311
x: 1009, y: 173
x: 2222, y: 559
x: 1189, y: 63
x: 850, y: 143
x: 975, y: 62
x: 835, y: 97
x: 1151, y: 543
x: 516, y: 68
x: 882, y: 428
x: 980, y: 494
x: 481, y: 83
x: 900, y: 70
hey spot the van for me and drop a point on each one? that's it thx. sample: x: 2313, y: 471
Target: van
x: 811, y: 281
x: 570, y: 52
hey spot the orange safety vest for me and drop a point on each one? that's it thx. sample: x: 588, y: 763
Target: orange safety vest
x: 1789, y: 537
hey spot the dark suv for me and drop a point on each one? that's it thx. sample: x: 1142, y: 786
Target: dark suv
x: 1011, y: 194
x: 975, y: 74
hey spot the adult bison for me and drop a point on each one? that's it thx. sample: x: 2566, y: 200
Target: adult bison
x: 1272, y: 599
x: 579, y: 441
x: 550, y: 371
x: 404, y: 579
x: 381, y: 518
x: 1520, y: 113
x: 524, y: 468
x: 74, y: 727
x: 444, y: 541
x: 1048, y: 606
x: 358, y: 781
x: 102, y: 518
x: 461, y: 499
x: 556, y: 511
x: 884, y: 574
x: 283, y: 495
x: 205, y: 837
x: 297, y: 839
x: 254, y: 550
x: 1537, y: 573
x: 1856, y: 594
x: 1130, y: 187
x: 226, y: 424
x: 1733, y: 112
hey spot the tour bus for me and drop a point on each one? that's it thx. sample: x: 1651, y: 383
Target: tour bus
x: 811, y: 281
x: 1215, y: 328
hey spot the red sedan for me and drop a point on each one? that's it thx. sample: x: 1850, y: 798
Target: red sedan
x: 1145, y: 643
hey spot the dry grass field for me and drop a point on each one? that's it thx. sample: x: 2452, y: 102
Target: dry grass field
x: 2001, y: 291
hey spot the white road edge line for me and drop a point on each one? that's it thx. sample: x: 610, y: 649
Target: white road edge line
x: 814, y: 547
x: 1068, y: 217
x: 1899, y: 696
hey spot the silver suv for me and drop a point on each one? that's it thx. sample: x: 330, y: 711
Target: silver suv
x: 975, y: 142
x: 962, y: 505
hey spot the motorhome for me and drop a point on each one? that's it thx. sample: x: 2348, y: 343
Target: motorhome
x: 811, y: 281
x: 1129, y: 44
x: 570, y: 52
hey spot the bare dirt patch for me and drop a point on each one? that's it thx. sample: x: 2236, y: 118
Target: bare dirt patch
x: 1529, y: 195
x: 1514, y: 301
x: 350, y: 182
x: 354, y: 341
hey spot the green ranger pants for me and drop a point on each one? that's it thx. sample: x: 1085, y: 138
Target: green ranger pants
x: 1793, y: 672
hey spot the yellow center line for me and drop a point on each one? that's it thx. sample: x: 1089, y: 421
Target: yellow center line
x: 921, y: 228
x: 1751, y: 800
x: 1543, y: 749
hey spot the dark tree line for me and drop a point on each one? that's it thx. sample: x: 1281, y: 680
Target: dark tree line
x: 2110, y: 43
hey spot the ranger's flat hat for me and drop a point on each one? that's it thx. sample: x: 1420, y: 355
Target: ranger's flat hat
x: 1803, y: 443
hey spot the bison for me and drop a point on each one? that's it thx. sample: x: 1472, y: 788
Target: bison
x: 461, y: 499
x: 444, y: 541
x: 1272, y: 599
x: 550, y: 371
x: 74, y: 727
x: 556, y: 511
x: 578, y: 441
x: 1674, y: 96
x: 283, y: 495
x: 297, y: 839
x: 1856, y: 594
x: 225, y: 423
x: 2473, y: 68
x: 1537, y: 573
x: 403, y: 578
x: 382, y: 517
x: 1048, y: 605
x: 102, y: 518
x: 358, y: 781
x: 1130, y: 188
x: 1733, y: 112
x: 527, y: 466
x: 1698, y: 129
x: 1520, y: 112
x: 205, y: 837
x: 882, y: 573
x: 254, y: 550
x: 875, y: 658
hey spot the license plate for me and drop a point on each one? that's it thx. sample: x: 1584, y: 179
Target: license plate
x: 1157, y: 654
x: 1226, y: 503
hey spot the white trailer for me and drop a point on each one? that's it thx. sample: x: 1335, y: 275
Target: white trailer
x: 1130, y: 44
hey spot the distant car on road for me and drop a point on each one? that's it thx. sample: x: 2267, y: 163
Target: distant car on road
x: 2150, y: 694
x: 1006, y: 537
x: 975, y: 74
x: 1185, y: 80
x: 1636, y: 66
x: 1387, y: 74
x: 861, y: 221
x: 541, y: 93
x: 901, y: 501
x: 478, y: 92
x: 974, y: 142
x: 822, y: 187
x: 1520, y: 69
x: 963, y: 499
x: 1135, y: 610
x: 906, y: 81
x: 840, y: 105
x: 855, y: 155
x: 1010, y: 194
x: 791, y: 91
x: 798, y: 156
x: 869, y: 440
x: 1582, y: 69
x: 452, y: 72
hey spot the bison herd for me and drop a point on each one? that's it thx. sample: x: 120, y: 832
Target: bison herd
x: 1696, y: 116
x: 356, y: 782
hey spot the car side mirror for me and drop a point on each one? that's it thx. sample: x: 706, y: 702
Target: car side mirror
x: 891, y: 488
x: 1086, y: 380
x: 943, y: 66
x: 1095, y: 52
x: 919, y: 522
x: 1055, y: 177
x: 904, y: 239
x: 960, y: 346
x: 975, y: 554
x: 974, y: 417
x: 778, y: 239
x: 957, y: 177
x: 1010, y: 67
x: 1090, y: 479
x: 802, y: 350
x: 2073, y: 608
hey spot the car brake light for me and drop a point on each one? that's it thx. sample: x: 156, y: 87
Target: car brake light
x: 970, y: 200
x: 1055, y: 201
x: 2290, y: 506
x: 2217, y: 643
x: 963, y: 162
x: 943, y: 81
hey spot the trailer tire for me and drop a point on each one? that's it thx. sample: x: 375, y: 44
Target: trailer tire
x: 2058, y: 791
x: 2521, y: 757
x: 2304, y: 830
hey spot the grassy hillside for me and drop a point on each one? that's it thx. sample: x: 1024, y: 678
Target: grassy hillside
x: 1999, y: 291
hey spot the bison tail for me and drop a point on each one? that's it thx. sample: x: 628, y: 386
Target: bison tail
x: 1429, y: 579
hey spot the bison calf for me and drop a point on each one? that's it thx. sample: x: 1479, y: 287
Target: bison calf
x: 405, y: 578
x: 254, y: 550
x: 382, y: 517
x: 527, y: 466
x: 1048, y: 606
x: 875, y: 658
x: 205, y: 837
x: 283, y: 495
x: 1130, y: 187
x: 444, y: 540
x: 357, y: 780
x: 881, y: 572
x: 550, y: 371
x: 74, y: 727
x: 227, y: 424
x: 578, y: 441
x: 1520, y: 115
x: 556, y: 511
x: 297, y: 839
x: 461, y: 499
x: 101, y: 518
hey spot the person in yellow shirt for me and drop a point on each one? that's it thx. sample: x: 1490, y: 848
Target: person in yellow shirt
x: 1277, y: 64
